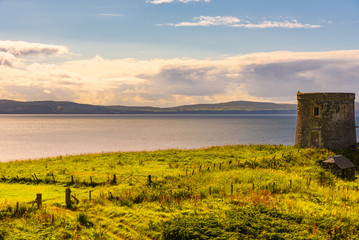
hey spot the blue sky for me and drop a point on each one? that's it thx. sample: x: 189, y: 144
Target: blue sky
x: 173, y: 52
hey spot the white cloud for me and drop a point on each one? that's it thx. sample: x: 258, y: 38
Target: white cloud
x: 276, y: 24
x: 170, y: 1
x: 7, y: 59
x: 209, y: 21
x: 19, y: 48
x: 235, y: 22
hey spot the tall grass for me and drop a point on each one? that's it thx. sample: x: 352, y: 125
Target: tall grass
x: 242, y: 191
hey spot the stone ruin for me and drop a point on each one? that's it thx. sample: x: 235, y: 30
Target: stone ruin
x: 326, y: 120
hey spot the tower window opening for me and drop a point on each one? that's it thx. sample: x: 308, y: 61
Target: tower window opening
x: 316, y: 112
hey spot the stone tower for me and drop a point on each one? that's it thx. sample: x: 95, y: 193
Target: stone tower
x: 326, y: 120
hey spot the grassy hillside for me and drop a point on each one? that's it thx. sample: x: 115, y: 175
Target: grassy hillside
x: 232, y: 192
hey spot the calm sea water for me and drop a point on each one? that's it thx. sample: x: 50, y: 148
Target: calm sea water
x: 37, y: 136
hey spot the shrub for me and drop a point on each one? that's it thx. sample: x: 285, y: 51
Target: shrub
x: 325, y: 178
x: 193, y: 227
x: 238, y: 223
x: 3, y: 234
x: 83, y: 220
x: 126, y: 202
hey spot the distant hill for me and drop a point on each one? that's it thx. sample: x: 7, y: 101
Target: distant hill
x: 54, y: 107
x: 49, y: 107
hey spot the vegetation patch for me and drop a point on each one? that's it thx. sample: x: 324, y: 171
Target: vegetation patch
x: 230, y: 192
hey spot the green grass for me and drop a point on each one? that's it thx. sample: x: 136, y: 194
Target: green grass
x: 231, y: 192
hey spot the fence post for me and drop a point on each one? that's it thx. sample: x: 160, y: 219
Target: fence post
x: 114, y: 181
x: 17, y: 207
x: 39, y: 200
x: 90, y: 195
x: 68, y: 197
x: 149, y: 180
x: 53, y: 178
x: 37, y: 180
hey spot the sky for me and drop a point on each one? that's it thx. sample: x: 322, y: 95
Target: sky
x: 176, y: 52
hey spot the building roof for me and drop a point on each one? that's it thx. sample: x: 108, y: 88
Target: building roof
x: 341, y: 161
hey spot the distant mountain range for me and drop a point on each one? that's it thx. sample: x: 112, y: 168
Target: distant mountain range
x: 54, y: 107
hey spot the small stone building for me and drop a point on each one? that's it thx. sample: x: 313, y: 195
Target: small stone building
x: 325, y: 120
x: 340, y: 166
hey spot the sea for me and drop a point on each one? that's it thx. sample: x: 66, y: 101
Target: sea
x: 40, y: 136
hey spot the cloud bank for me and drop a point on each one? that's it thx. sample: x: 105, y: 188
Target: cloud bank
x: 269, y: 76
x: 230, y: 21
x: 20, y: 49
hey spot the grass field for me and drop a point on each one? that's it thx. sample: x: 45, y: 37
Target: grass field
x: 230, y: 192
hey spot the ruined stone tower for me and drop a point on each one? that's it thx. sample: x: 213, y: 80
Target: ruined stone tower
x: 326, y: 120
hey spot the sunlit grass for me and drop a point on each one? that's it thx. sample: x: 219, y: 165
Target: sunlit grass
x: 206, y: 187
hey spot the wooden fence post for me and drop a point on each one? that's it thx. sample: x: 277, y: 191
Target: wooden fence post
x: 39, y: 200
x: 17, y: 207
x: 149, y: 180
x: 68, y: 197
x: 90, y: 195
x: 53, y: 178
x: 37, y: 180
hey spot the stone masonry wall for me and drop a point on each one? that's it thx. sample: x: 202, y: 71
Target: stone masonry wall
x: 326, y: 120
